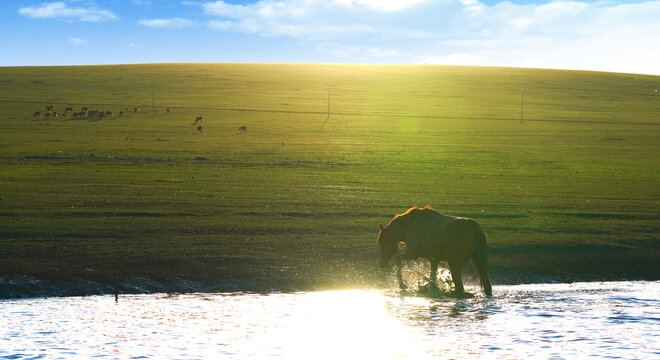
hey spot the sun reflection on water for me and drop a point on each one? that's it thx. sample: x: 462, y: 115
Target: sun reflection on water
x: 336, y: 324
x: 522, y: 321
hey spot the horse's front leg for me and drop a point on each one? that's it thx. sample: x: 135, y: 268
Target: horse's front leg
x: 433, y: 286
x: 402, y: 285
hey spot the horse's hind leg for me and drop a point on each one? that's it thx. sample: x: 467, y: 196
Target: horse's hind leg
x: 456, y: 277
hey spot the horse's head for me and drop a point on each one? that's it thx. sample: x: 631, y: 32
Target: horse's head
x: 387, y: 244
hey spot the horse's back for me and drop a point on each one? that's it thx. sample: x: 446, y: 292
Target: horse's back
x: 450, y: 234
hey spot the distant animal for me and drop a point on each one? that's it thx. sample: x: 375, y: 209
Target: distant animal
x: 68, y: 109
x: 100, y: 114
x: 36, y: 114
x: 47, y: 115
x: 199, y: 120
x: 437, y: 237
x: 108, y: 114
x: 155, y: 111
x: 243, y: 129
x: 168, y: 110
x: 84, y: 110
x: 54, y: 114
x: 49, y: 107
x: 137, y: 109
x: 92, y: 113
x: 121, y: 113
x: 199, y: 129
x: 76, y: 115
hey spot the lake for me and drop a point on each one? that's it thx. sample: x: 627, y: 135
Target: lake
x: 578, y: 320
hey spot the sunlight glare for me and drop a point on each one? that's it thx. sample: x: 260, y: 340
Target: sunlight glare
x: 356, y: 324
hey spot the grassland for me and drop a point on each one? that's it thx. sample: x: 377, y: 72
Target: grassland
x: 572, y: 191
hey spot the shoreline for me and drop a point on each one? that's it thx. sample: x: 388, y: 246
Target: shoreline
x: 15, y: 286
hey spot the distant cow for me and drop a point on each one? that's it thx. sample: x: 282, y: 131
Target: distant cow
x: 199, y: 120
x: 68, y: 109
x: 199, y: 129
x: 108, y: 114
x: 100, y: 114
x: 49, y: 107
x: 36, y: 114
x: 136, y: 110
x: 242, y: 129
x: 92, y: 113
x: 47, y: 115
x: 168, y: 110
x: 121, y: 113
x: 84, y: 110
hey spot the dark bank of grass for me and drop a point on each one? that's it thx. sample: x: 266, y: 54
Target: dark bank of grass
x: 571, y: 192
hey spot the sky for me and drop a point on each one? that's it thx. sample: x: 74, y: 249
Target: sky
x: 617, y: 36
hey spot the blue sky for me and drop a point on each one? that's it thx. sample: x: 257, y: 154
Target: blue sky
x: 621, y: 36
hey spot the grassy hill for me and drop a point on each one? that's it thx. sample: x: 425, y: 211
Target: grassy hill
x: 571, y: 190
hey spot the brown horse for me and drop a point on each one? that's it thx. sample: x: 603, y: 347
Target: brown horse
x: 437, y: 237
x: 242, y: 129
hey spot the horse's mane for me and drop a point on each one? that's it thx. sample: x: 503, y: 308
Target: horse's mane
x: 412, y: 211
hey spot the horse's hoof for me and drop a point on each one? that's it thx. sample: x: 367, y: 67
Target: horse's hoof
x: 461, y: 295
x: 434, y: 290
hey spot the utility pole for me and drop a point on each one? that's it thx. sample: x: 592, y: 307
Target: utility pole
x: 522, y: 104
x: 153, y: 96
x: 327, y: 118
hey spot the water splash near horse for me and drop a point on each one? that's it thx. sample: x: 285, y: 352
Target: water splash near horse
x: 429, y: 234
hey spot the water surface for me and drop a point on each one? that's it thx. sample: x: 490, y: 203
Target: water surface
x: 596, y: 320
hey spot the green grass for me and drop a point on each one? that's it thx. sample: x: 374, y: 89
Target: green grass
x: 572, y: 191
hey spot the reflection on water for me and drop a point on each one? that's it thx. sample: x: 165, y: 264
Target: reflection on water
x: 616, y: 319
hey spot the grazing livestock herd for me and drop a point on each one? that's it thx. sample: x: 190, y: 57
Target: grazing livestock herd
x: 85, y: 113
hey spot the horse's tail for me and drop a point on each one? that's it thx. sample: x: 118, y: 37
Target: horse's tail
x: 480, y: 260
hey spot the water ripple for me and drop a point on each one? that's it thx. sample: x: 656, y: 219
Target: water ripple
x: 599, y: 320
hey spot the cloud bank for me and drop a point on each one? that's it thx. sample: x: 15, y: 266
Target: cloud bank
x: 61, y: 10
x: 601, y: 35
x: 174, y: 23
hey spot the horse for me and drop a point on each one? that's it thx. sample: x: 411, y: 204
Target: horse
x: 437, y: 237
x: 200, y: 129
x: 199, y: 120
x: 242, y: 129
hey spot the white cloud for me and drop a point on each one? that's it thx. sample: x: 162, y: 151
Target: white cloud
x: 63, y: 11
x: 602, y: 35
x: 221, y: 25
x: 455, y: 59
x: 136, y: 46
x: 381, y: 5
x: 174, y: 23
x: 78, y: 41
